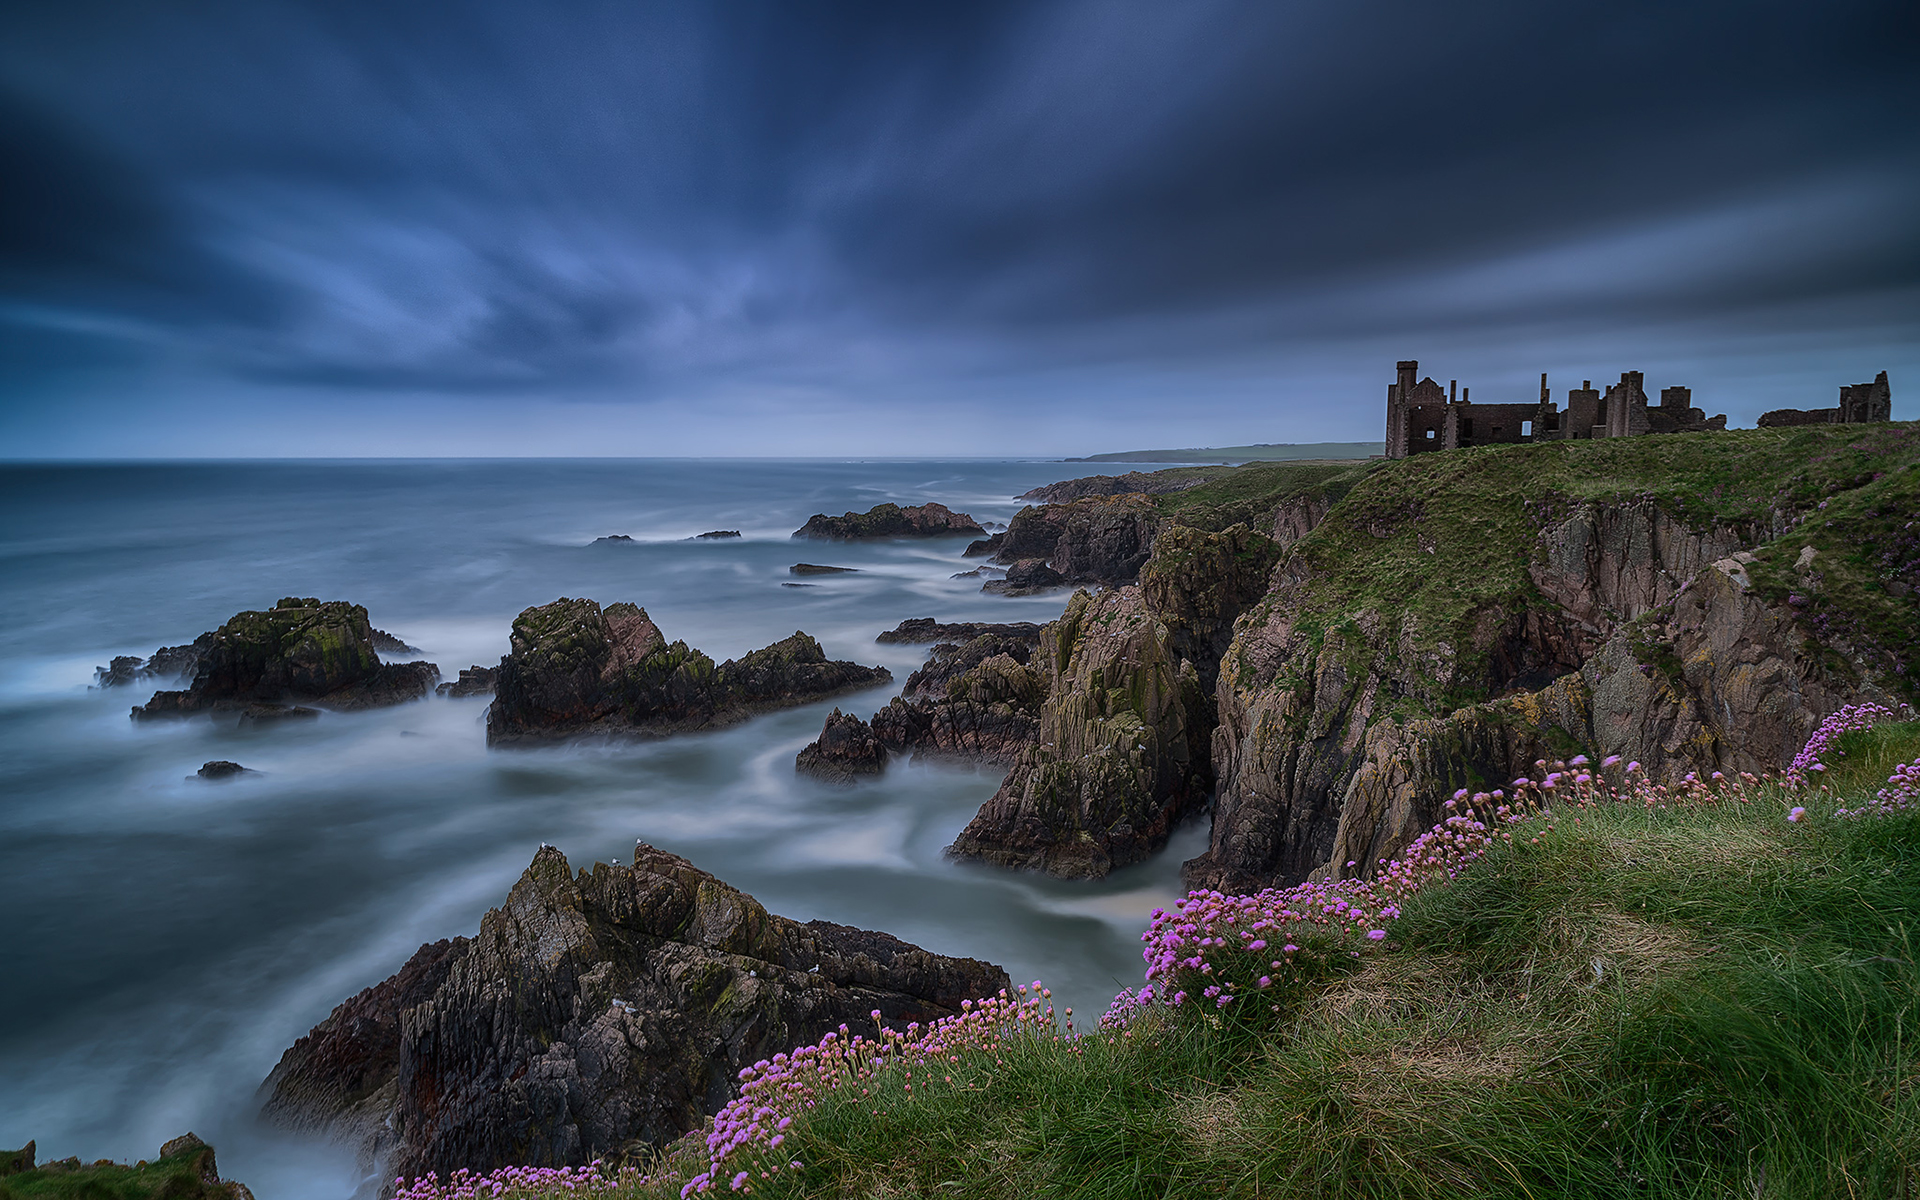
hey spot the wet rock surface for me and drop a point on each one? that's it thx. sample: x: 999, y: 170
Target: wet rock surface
x: 594, y: 1014
x: 818, y: 569
x: 888, y: 521
x: 168, y: 662
x: 299, y: 650
x: 577, y: 669
x: 221, y: 768
x: 386, y: 643
x: 1028, y: 577
x: 845, y: 751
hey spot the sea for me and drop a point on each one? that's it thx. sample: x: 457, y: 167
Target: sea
x: 165, y: 938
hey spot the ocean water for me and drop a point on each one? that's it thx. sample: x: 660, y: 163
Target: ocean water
x: 166, y: 938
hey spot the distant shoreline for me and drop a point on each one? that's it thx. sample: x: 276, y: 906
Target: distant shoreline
x: 1280, y: 452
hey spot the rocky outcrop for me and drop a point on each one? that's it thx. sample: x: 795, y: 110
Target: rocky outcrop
x: 576, y: 669
x: 613, y: 537
x: 221, y: 768
x: 386, y: 643
x: 920, y: 630
x: 168, y: 662
x: 985, y: 547
x: 716, y: 534
x: 818, y: 569
x: 1098, y: 539
x: 889, y: 521
x: 1111, y: 770
x: 845, y: 751
x: 301, y: 649
x: 975, y: 701
x: 473, y: 681
x: 1028, y: 577
x: 594, y: 1014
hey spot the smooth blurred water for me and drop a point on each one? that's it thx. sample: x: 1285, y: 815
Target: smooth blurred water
x: 167, y: 938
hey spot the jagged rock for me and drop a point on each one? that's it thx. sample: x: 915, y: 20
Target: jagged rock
x: 613, y: 537
x: 985, y: 547
x: 1027, y: 577
x: 889, y: 520
x: 915, y: 630
x: 799, y: 585
x: 817, y: 569
x: 386, y: 643
x: 168, y: 662
x: 717, y: 533
x: 1111, y: 772
x: 986, y: 712
x: 982, y: 572
x: 123, y: 670
x: 950, y: 659
x: 576, y: 669
x: 301, y: 649
x: 845, y: 750
x: 220, y: 768
x: 1096, y: 539
x: 473, y: 681
x: 594, y: 1014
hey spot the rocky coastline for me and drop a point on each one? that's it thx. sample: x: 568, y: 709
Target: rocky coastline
x: 597, y: 1013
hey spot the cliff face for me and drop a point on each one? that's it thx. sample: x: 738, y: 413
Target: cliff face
x: 594, y: 1013
x: 576, y: 668
x: 1426, y: 637
x: 1096, y: 539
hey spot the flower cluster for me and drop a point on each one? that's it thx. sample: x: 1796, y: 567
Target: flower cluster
x: 1812, y: 758
x: 749, y: 1135
x: 1902, y: 794
x: 515, y: 1183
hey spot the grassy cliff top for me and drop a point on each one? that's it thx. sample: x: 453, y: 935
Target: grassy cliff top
x: 1443, y: 537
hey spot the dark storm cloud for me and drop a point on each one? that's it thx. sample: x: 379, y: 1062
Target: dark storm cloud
x: 586, y: 198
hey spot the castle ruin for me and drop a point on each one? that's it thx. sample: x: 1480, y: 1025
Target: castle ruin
x: 1423, y: 416
x: 1859, y: 404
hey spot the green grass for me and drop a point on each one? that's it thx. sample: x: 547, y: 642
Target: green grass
x: 1692, y: 1002
x: 173, y: 1178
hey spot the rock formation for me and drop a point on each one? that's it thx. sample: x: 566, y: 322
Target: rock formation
x: 613, y: 537
x: 168, y: 662
x: 221, y: 768
x: 1028, y: 577
x: 473, y: 681
x: 1112, y: 768
x: 386, y: 643
x: 301, y: 649
x: 977, y: 700
x: 594, y: 1014
x: 888, y: 521
x: 818, y: 569
x: 716, y: 534
x: 845, y: 750
x: 1147, y: 483
x: 1096, y: 539
x: 577, y: 669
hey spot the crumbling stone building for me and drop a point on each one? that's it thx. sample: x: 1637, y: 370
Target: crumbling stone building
x: 1423, y: 416
x: 1859, y: 404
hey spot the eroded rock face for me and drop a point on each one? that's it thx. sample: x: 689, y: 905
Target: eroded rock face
x: 845, y: 751
x: 594, y: 1013
x: 889, y: 520
x: 1111, y: 770
x: 301, y: 649
x: 576, y: 668
x: 1645, y: 648
x: 977, y: 700
x: 1028, y: 577
x: 1096, y: 539
x: 473, y: 681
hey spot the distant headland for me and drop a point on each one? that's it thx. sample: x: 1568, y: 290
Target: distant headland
x: 1278, y: 452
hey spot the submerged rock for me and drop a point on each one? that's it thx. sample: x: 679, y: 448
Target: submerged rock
x: 845, y: 750
x: 578, y: 669
x: 889, y: 520
x: 817, y: 569
x: 168, y: 662
x: 220, y: 768
x: 301, y: 649
x: 595, y: 1014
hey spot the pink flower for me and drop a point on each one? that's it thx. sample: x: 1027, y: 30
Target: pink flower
x: 1797, y: 815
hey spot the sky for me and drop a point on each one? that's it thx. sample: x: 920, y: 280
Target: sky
x: 571, y: 228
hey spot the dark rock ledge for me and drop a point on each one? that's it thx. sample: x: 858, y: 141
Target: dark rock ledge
x: 594, y: 1014
x: 577, y: 669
